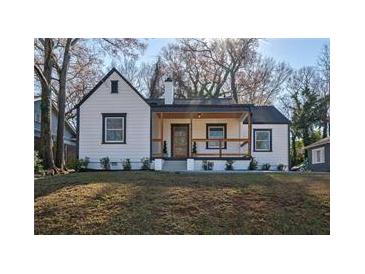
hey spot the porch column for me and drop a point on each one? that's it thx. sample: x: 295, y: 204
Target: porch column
x: 161, y: 132
x: 191, y: 136
x: 249, y: 132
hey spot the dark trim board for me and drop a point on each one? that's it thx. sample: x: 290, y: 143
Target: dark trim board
x: 199, y: 108
x: 204, y: 158
x: 223, y: 158
x: 150, y: 134
x: 172, y: 139
x: 254, y: 139
x: 106, y: 115
x: 267, y: 123
x: 225, y: 134
x: 77, y: 132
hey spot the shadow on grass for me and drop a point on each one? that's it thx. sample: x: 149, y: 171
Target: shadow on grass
x: 201, y: 210
x: 165, y: 203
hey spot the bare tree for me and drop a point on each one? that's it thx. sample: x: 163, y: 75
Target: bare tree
x: 323, y: 65
x: 45, y: 77
x: 153, y: 77
x: 62, y: 74
x: 260, y: 81
x: 131, y: 71
x: 224, y: 67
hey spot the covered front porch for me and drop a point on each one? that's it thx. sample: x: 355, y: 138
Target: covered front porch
x: 222, y: 134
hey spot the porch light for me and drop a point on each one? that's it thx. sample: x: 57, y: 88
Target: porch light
x: 199, y: 115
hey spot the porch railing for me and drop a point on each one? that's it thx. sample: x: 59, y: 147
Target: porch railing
x: 243, y: 141
x: 221, y: 153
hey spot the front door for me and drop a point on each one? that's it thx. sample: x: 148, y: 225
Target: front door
x: 180, y: 140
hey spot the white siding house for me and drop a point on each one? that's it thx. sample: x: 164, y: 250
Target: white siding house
x: 115, y: 121
x: 137, y: 120
x: 280, y: 145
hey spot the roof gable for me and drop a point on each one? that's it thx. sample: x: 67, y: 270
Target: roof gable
x: 95, y: 88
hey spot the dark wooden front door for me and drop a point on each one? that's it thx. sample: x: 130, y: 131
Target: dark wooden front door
x: 179, y: 140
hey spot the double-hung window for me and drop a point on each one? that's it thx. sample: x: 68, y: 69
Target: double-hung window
x: 262, y: 140
x: 318, y: 156
x: 216, y: 131
x: 114, y: 128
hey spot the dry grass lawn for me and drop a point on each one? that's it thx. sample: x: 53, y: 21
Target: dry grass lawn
x: 164, y: 203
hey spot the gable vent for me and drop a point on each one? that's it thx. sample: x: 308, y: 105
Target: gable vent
x: 114, y: 87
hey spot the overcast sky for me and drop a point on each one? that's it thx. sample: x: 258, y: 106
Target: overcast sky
x: 297, y: 52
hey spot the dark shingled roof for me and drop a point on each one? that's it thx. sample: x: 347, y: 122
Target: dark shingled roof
x: 196, y: 101
x: 260, y: 114
x: 268, y: 115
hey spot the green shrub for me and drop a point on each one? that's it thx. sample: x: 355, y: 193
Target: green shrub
x: 105, y: 163
x: 194, y: 150
x: 145, y: 163
x: 84, y: 163
x: 253, y: 164
x: 207, y: 165
x: 266, y: 166
x: 127, y: 164
x: 79, y: 165
x: 74, y: 164
x: 306, y: 166
x: 281, y: 167
x: 229, y: 165
x: 38, y: 166
x: 164, y: 150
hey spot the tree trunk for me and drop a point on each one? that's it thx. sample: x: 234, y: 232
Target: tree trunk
x: 325, y: 130
x: 233, y: 87
x: 60, y: 161
x: 294, y: 150
x: 46, y: 108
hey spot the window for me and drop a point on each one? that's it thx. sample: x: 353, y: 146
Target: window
x: 262, y: 140
x: 216, y: 131
x: 318, y: 156
x: 114, y: 128
x: 114, y: 86
x: 37, y: 117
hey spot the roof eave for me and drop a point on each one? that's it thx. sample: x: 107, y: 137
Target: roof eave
x: 103, y: 80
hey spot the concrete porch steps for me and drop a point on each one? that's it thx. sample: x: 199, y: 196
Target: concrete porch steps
x: 175, y: 165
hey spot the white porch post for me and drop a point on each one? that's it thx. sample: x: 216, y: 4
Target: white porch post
x: 190, y: 164
x: 158, y: 164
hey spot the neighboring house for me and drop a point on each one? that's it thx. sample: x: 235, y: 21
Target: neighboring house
x: 319, y: 155
x: 116, y: 121
x: 69, y: 133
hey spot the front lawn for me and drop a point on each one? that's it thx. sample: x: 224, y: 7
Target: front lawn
x: 167, y: 203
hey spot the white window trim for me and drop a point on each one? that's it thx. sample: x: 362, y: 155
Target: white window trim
x: 322, y: 156
x: 269, y: 141
x: 119, y: 129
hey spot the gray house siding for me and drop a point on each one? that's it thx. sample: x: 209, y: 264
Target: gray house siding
x: 69, y: 135
x: 322, y: 166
